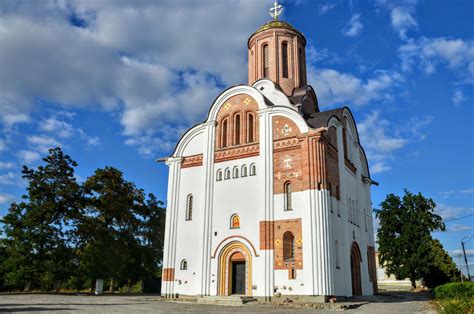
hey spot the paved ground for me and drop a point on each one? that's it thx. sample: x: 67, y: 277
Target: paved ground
x: 401, y: 303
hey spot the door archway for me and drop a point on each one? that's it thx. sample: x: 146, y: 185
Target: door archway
x: 355, y: 270
x: 235, y: 270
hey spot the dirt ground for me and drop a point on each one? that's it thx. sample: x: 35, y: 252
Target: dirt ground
x: 55, y: 303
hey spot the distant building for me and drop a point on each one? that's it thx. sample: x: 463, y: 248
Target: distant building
x: 269, y: 194
x: 389, y: 282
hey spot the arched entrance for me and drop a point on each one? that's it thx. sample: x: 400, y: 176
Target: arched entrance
x: 235, y: 270
x: 355, y: 270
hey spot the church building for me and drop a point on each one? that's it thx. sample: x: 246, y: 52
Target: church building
x: 269, y: 195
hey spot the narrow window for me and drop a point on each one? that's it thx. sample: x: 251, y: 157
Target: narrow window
x: 344, y: 141
x: 365, y: 219
x: 301, y: 64
x: 224, y: 133
x: 219, y: 175
x: 292, y: 273
x: 184, y: 265
x: 338, y: 257
x: 237, y: 129
x: 235, y: 172
x: 227, y: 174
x: 287, y: 188
x: 284, y: 57
x: 244, y: 171
x: 189, y: 207
x: 250, y: 128
x: 288, y: 246
x: 266, y: 62
x: 253, y: 170
x: 235, y: 221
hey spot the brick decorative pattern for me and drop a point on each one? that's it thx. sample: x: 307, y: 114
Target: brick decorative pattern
x: 237, y: 153
x: 244, y: 133
x: 372, y: 267
x: 192, y: 161
x: 287, y: 155
x: 168, y: 274
x: 280, y: 227
x: 266, y: 235
x: 307, y: 161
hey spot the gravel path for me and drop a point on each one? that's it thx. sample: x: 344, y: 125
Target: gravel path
x: 53, y: 303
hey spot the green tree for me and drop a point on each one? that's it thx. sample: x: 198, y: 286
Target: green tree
x: 40, y: 231
x: 404, y: 236
x: 443, y: 269
x: 122, y: 231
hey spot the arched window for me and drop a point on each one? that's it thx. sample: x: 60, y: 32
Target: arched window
x: 288, y: 200
x: 288, y: 246
x: 301, y: 64
x: 243, y: 171
x: 235, y: 172
x: 219, y: 175
x: 227, y: 174
x: 184, y: 265
x: 253, y: 170
x: 250, y: 126
x: 266, y: 62
x: 234, y: 221
x: 189, y: 207
x: 224, y: 133
x: 338, y: 257
x: 284, y: 59
x: 237, y: 129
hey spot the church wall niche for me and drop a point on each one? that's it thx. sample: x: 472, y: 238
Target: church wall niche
x: 282, y: 258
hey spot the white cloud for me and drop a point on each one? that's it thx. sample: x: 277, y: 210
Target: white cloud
x: 6, y: 165
x: 136, y: 60
x: 459, y: 228
x: 335, y: 87
x: 28, y: 156
x: 8, y: 178
x: 457, y: 192
x: 41, y: 144
x: 379, y: 140
x: 429, y: 53
x: 353, y: 27
x: 325, y: 8
x: 382, y: 138
x: 456, y: 253
x: 53, y: 125
x: 6, y: 198
x: 402, y: 20
x: 449, y: 212
x: 458, y: 97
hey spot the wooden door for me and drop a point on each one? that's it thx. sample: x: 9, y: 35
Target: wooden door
x: 355, y: 271
x: 238, y: 277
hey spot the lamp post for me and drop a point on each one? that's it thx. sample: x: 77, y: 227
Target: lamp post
x: 464, y: 251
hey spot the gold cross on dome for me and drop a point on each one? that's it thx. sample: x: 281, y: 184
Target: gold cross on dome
x: 276, y: 10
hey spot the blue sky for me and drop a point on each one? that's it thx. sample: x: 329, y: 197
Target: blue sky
x: 115, y: 83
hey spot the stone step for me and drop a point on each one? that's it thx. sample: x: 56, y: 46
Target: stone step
x: 231, y: 300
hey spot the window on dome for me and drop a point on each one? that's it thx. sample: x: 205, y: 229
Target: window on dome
x: 266, y: 62
x: 284, y: 59
x: 250, y: 128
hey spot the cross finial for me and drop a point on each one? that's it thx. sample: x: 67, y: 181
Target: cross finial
x: 276, y: 10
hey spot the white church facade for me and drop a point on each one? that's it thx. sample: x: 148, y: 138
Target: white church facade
x: 269, y: 194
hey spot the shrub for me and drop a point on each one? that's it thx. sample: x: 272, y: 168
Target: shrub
x: 455, y: 290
